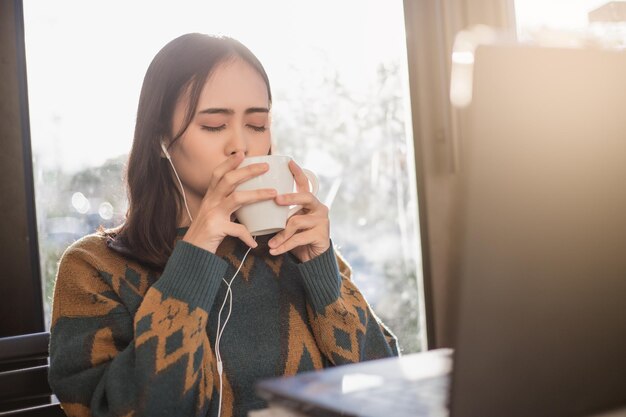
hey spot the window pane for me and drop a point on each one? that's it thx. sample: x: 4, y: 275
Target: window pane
x: 339, y: 77
x: 599, y: 19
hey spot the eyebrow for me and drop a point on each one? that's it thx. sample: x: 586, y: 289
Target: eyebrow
x: 249, y: 110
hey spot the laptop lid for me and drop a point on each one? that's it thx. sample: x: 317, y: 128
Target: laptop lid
x: 542, y: 242
x: 406, y: 386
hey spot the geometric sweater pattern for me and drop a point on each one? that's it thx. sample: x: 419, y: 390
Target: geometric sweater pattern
x: 129, y: 340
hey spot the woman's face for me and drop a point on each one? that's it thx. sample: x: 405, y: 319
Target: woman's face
x: 232, y: 116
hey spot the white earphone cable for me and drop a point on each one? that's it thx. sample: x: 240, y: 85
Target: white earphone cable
x: 229, y: 292
x: 220, y: 328
x: 167, y: 155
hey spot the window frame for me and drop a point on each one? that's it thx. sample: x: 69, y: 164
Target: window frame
x: 21, y: 296
x: 437, y: 133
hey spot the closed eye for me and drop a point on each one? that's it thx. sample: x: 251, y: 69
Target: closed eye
x: 259, y: 129
x: 214, y: 128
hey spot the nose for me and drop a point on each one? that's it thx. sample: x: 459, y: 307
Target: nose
x: 237, y: 143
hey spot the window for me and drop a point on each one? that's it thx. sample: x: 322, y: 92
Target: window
x: 601, y: 19
x: 339, y: 78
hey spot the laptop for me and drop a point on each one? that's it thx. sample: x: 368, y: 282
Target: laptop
x: 541, y: 326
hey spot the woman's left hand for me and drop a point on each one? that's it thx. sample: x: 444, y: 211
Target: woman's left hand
x: 307, y: 233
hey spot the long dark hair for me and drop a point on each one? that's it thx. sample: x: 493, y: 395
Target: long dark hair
x: 184, y: 64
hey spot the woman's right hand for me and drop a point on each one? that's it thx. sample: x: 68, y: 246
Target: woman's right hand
x: 212, y: 223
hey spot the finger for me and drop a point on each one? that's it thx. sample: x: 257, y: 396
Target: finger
x: 241, y: 198
x: 233, y: 178
x: 294, y: 224
x: 306, y: 200
x: 229, y: 164
x: 302, y: 182
x: 240, y: 231
x: 299, y: 239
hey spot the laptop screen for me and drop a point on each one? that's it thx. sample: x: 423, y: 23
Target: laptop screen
x: 542, y: 242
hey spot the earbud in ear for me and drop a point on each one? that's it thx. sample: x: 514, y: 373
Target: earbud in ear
x: 165, y: 153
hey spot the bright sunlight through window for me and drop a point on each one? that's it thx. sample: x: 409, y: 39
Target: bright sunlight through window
x: 339, y: 77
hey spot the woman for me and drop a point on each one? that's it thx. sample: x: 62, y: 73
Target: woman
x: 137, y: 310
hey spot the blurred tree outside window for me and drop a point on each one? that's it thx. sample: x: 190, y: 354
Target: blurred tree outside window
x: 341, y: 108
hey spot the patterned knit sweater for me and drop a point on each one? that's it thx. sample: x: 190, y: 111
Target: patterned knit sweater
x: 127, y: 340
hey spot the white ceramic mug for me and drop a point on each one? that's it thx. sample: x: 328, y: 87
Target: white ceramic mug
x: 267, y: 217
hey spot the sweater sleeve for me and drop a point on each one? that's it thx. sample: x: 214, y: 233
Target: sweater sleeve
x: 345, y: 327
x: 105, y: 361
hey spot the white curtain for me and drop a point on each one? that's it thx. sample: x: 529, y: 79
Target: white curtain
x: 431, y: 26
